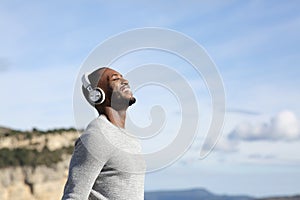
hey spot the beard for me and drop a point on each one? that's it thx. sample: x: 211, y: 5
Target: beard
x: 118, y: 101
x: 132, y: 101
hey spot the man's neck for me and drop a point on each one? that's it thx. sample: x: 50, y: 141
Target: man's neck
x: 116, y: 117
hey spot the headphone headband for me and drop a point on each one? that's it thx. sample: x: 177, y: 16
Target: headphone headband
x: 86, y: 82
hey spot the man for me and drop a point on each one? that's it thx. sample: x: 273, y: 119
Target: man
x: 106, y: 163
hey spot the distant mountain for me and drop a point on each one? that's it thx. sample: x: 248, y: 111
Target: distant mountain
x: 193, y: 194
x: 34, y: 165
x: 203, y: 194
x: 296, y: 197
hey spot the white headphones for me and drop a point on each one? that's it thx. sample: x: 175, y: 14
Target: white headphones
x: 96, y: 95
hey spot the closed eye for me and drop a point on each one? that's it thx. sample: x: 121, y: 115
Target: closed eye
x: 115, y: 79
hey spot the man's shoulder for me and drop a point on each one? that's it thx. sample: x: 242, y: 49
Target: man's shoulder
x: 99, y: 124
x: 100, y: 129
x: 95, y: 124
x: 95, y: 136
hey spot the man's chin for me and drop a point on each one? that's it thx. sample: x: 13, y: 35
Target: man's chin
x: 132, y: 100
x: 120, y: 102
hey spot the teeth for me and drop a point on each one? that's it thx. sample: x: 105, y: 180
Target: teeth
x: 126, y: 89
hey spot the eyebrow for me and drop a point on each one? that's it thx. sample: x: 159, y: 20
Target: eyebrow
x: 116, y: 75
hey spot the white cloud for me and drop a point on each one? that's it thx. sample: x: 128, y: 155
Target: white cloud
x: 242, y: 111
x: 284, y: 126
x: 226, y: 146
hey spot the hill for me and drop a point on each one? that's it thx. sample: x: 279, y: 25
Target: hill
x: 36, y: 147
x: 296, y: 197
x: 34, y: 166
x: 192, y: 194
x: 203, y: 194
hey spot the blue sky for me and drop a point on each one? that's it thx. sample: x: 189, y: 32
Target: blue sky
x: 255, y: 45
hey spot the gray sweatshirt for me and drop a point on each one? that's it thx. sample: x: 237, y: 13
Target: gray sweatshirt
x: 106, y: 165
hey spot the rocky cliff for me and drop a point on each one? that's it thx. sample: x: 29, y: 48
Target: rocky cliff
x: 28, y: 183
x: 34, y: 164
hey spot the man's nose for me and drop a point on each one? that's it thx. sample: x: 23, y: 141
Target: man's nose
x: 124, y: 81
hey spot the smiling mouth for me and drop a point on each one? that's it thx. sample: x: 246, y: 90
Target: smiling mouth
x: 125, y: 88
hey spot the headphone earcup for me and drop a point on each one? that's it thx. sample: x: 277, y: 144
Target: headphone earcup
x: 97, y: 96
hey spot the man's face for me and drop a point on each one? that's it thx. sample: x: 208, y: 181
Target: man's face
x: 116, y: 88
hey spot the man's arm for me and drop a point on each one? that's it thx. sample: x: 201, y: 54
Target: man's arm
x: 85, y: 168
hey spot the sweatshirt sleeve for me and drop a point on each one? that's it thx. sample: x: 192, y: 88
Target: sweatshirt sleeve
x: 89, y: 156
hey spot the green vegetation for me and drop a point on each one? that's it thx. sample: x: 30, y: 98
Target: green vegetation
x: 28, y: 156
x: 35, y: 132
x: 58, y: 131
x: 32, y: 157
